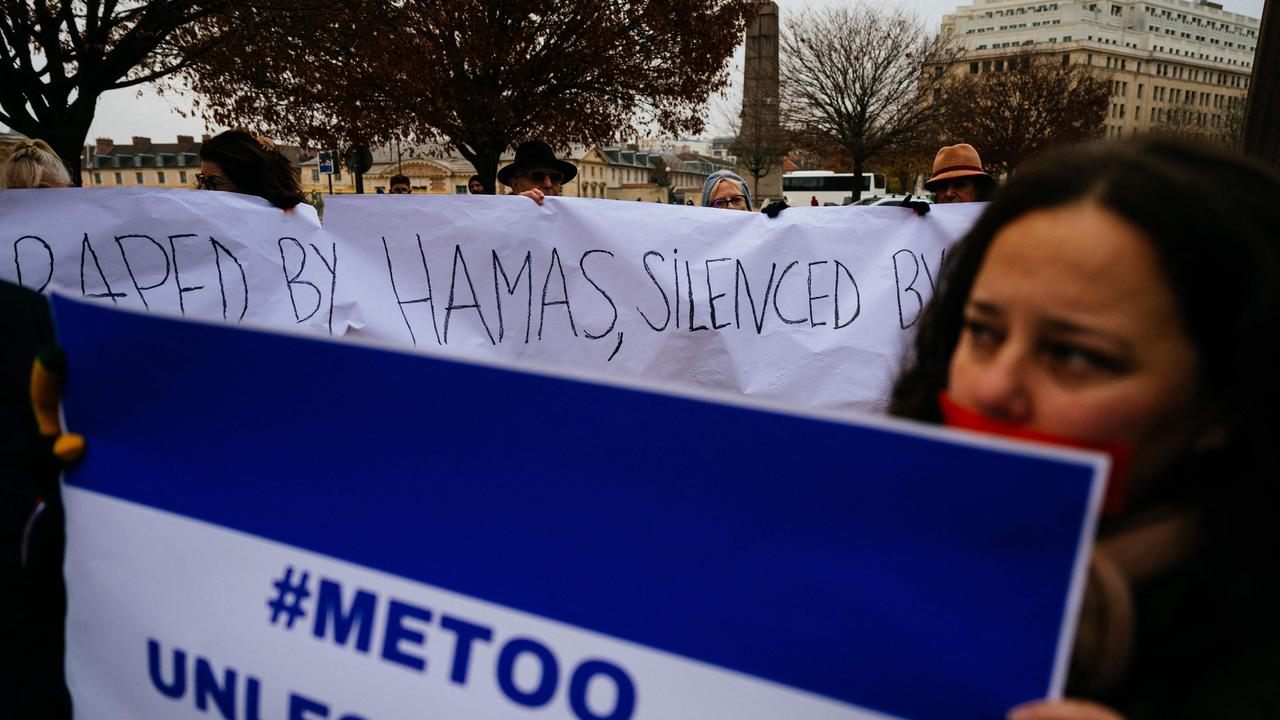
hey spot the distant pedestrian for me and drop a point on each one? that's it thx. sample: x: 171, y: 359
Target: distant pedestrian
x: 813, y: 200
x: 399, y: 185
x: 238, y: 161
x: 33, y: 164
x: 536, y: 172
x: 958, y: 176
x: 726, y: 190
x: 476, y: 186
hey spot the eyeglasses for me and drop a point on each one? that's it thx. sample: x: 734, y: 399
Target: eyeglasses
x: 400, y: 190
x: 540, y: 176
x: 732, y: 200
x: 209, y: 182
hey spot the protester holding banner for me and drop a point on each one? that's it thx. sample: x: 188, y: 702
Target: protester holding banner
x: 958, y: 176
x: 1126, y: 298
x: 726, y: 190
x: 237, y: 161
x: 33, y: 164
x: 536, y: 172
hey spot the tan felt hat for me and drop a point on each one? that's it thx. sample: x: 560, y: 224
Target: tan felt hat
x: 955, y: 161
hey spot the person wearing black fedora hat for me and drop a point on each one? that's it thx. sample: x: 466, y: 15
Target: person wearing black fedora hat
x: 958, y: 176
x: 536, y: 171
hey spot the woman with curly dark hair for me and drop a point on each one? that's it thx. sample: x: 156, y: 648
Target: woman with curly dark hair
x: 237, y: 161
x: 1127, y: 298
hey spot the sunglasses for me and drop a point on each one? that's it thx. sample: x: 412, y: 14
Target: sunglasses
x: 732, y: 200
x: 540, y: 176
x: 400, y: 191
x: 956, y: 183
x: 209, y: 182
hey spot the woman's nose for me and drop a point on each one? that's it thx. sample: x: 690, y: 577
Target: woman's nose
x: 1001, y: 388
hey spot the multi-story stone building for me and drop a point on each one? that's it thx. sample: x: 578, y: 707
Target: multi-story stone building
x: 149, y: 164
x: 592, y: 179
x: 429, y: 172
x: 612, y: 172
x: 141, y: 163
x: 1173, y: 64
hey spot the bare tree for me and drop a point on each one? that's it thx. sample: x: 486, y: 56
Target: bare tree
x: 660, y: 176
x: 760, y: 143
x: 904, y: 163
x: 859, y: 77
x: 1221, y: 122
x: 1030, y: 104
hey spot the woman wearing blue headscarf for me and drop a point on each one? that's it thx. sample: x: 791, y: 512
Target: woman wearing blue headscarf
x: 726, y: 190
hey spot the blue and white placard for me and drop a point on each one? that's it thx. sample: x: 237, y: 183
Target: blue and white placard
x: 270, y: 527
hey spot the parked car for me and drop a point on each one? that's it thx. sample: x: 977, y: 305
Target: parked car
x: 895, y: 200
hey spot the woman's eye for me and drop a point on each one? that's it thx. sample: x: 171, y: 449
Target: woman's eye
x: 981, y: 334
x: 1077, y: 361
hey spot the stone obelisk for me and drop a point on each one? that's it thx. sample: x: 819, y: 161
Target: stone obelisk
x: 758, y: 150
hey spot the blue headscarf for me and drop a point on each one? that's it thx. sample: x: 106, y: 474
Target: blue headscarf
x: 714, y: 179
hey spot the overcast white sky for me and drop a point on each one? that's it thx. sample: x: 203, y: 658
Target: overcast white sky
x: 123, y: 113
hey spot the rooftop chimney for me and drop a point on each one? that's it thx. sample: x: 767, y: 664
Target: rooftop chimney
x: 103, y: 146
x: 141, y: 143
x: 185, y: 142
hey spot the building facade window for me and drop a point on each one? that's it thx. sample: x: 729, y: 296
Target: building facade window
x: 119, y: 179
x: 160, y: 177
x: 138, y: 177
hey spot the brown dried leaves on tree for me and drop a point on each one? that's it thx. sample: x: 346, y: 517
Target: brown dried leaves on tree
x: 478, y: 75
x: 58, y: 56
x: 1034, y: 103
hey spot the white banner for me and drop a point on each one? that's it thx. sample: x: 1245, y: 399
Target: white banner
x: 812, y: 308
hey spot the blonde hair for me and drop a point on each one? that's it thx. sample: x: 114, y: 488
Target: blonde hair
x: 33, y: 164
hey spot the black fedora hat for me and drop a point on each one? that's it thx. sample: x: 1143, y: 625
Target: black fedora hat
x: 535, y: 153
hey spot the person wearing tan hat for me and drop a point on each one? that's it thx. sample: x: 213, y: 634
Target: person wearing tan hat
x: 958, y: 176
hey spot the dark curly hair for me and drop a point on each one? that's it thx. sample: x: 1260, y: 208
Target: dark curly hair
x: 255, y: 166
